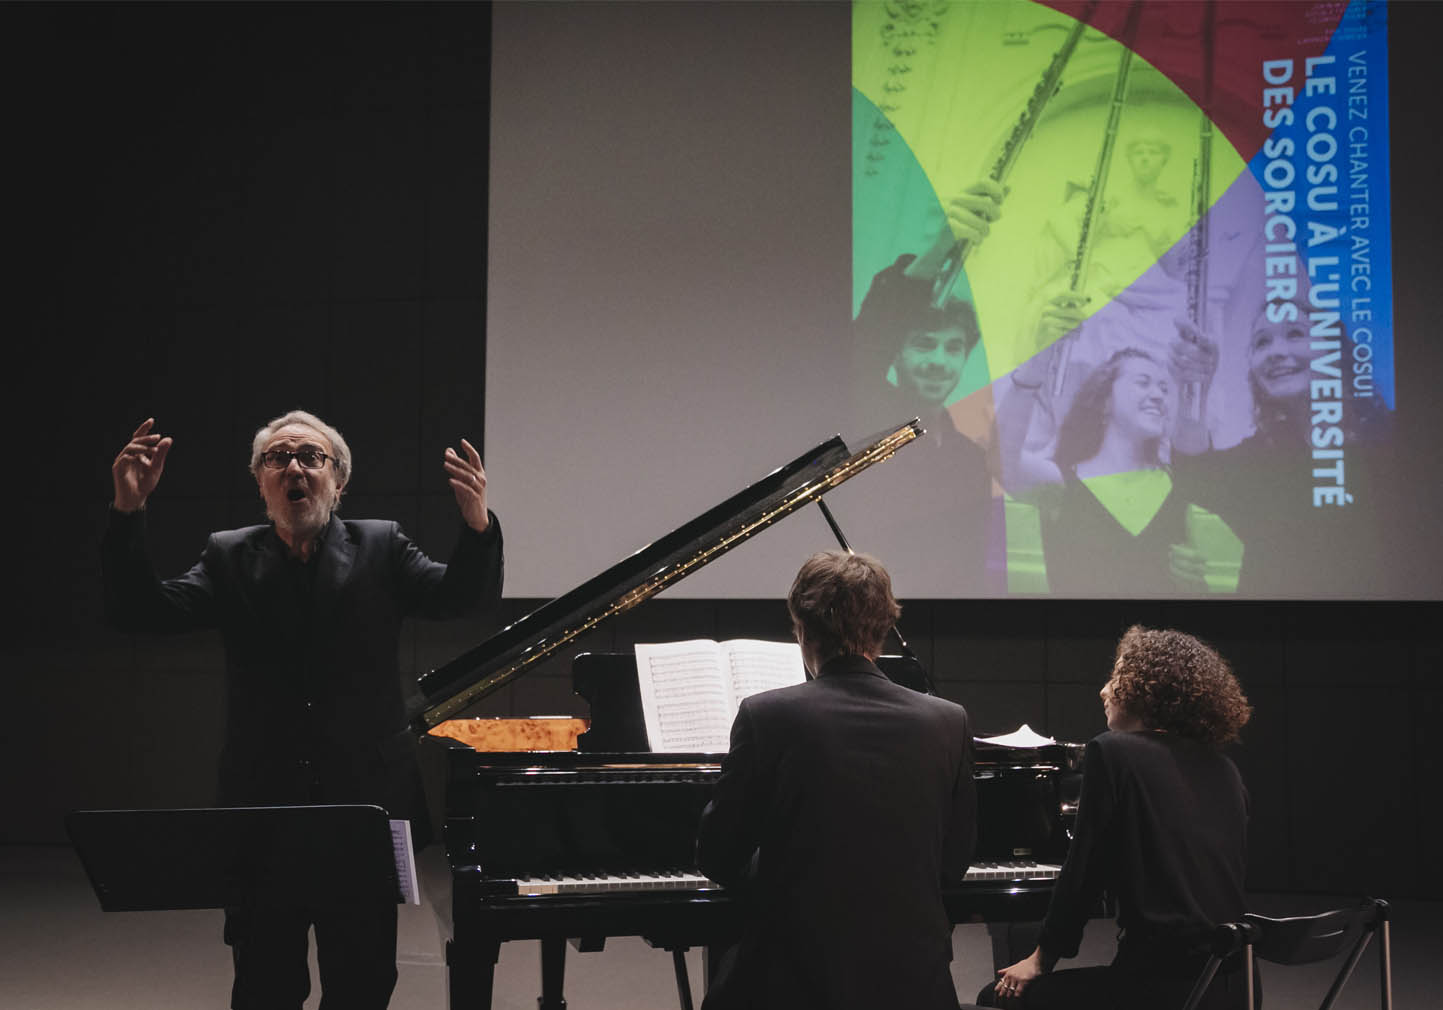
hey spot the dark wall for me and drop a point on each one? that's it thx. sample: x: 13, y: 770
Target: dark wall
x: 217, y: 214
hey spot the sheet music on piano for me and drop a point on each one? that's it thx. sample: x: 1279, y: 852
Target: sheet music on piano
x: 404, y: 853
x: 690, y: 690
x: 1022, y: 737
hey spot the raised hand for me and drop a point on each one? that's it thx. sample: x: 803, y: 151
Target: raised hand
x: 969, y: 217
x: 1187, y: 567
x: 468, y: 480
x: 1192, y: 356
x: 137, y: 469
x: 971, y: 214
x: 1060, y: 316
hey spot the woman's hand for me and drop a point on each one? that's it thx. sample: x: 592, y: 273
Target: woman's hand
x: 1013, y: 980
x: 1192, y: 355
x: 1060, y: 316
x: 1187, y: 567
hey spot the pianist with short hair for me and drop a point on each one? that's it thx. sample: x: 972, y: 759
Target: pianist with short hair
x: 1162, y: 825
x: 309, y: 607
x: 843, y: 805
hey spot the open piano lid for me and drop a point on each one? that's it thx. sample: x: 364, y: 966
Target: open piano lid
x: 508, y: 654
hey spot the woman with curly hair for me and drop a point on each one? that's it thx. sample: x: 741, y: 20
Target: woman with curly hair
x: 1162, y: 825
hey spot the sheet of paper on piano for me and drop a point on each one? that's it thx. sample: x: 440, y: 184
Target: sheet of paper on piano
x: 690, y: 690
x: 1022, y: 736
x: 405, y: 854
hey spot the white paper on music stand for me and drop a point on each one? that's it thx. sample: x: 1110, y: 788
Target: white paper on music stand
x: 1022, y: 736
x: 690, y: 690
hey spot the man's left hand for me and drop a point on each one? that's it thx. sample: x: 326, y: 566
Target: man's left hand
x: 468, y: 480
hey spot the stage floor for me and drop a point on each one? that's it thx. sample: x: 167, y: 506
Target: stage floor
x: 59, y: 951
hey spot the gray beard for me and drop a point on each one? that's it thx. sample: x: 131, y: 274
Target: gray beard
x: 308, y: 526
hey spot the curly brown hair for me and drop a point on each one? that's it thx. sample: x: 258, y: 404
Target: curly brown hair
x: 844, y: 603
x: 1176, y: 683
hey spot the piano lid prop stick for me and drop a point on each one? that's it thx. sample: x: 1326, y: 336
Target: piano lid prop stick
x: 905, y: 648
x: 832, y: 522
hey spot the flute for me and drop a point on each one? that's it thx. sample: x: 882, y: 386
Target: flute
x: 1087, y: 232
x: 1197, y: 273
x: 951, y: 267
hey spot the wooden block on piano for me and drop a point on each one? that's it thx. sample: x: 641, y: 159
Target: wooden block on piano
x: 538, y: 733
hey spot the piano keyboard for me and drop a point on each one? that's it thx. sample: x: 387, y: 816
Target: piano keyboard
x: 681, y: 880
x: 1021, y: 869
x: 594, y: 883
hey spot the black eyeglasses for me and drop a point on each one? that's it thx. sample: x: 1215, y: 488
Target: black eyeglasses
x: 279, y: 459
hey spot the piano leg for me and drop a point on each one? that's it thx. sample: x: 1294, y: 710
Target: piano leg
x: 553, y: 973
x: 1012, y: 941
x: 683, y: 980
x: 471, y: 973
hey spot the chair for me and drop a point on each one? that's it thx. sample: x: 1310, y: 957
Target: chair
x: 1304, y: 940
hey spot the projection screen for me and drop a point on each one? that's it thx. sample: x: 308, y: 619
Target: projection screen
x: 721, y: 233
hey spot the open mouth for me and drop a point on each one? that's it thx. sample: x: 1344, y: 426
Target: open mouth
x: 296, y: 494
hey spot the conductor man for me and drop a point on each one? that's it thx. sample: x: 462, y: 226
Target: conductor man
x: 843, y: 805
x: 309, y: 607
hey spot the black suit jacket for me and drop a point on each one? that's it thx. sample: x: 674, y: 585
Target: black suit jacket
x: 842, y: 806
x: 315, y: 712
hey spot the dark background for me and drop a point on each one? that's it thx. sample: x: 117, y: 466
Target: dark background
x: 217, y: 213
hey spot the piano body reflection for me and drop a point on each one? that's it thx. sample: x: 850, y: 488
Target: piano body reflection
x: 580, y: 845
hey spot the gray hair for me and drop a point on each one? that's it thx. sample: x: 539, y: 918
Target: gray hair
x: 337, y: 440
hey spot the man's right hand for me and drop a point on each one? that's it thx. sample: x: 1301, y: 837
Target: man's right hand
x: 137, y: 469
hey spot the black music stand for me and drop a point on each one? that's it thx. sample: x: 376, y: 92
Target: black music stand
x: 220, y: 857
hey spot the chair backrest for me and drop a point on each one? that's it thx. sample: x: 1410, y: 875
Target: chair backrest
x: 1305, y: 939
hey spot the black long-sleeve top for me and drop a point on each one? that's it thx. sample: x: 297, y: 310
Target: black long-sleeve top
x: 1162, y: 824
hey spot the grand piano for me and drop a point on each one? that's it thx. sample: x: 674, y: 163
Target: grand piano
x: 578, y: 845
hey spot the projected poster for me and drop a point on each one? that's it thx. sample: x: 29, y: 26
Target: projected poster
x: 1129, y: 262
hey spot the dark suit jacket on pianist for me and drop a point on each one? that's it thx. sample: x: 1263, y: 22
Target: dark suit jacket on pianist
x: 314, y: 705
x: 842, y: 806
